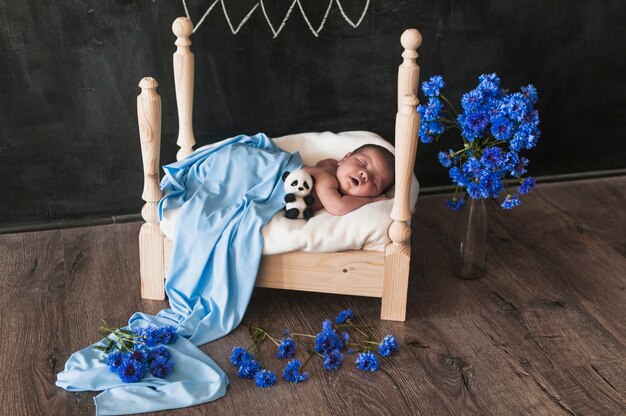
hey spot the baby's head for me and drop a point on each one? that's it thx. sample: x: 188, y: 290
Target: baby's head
x: 366, y: 171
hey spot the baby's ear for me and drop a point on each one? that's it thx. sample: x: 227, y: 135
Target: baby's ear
x: 345, y: 157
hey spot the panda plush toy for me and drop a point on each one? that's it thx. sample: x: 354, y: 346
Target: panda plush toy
x: 298, y: 186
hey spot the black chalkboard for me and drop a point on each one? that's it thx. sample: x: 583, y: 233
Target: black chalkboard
x: 69, y: 71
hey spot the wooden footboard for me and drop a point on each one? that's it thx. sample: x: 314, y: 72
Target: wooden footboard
x: 363, y: 273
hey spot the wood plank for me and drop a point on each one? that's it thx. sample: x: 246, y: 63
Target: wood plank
x: 348, y: 272
x: 102, y: 279
x: 581, y: 268
x: 477, y: 367
x: 597, y: 389
x: 35, y: 338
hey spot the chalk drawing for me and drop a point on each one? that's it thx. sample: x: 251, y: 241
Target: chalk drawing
x: 276, y: 31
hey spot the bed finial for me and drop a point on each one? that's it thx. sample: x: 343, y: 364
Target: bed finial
x: 411, y: 40
x: 182, y: 28
x: 183, y: 79
x: 409, y: 71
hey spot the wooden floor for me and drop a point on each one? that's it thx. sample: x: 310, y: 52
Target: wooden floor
x: 543, y: 333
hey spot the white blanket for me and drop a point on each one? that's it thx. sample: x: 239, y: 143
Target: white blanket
x: 365, y: 228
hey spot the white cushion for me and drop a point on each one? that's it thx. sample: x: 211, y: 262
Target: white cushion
x: 364, y: 228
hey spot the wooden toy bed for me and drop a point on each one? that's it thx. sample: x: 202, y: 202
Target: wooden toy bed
x: 383, y: 274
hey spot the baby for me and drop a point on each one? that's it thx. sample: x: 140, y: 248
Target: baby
x: 360, y: 177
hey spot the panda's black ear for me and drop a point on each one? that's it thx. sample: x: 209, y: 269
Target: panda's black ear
x: 285, y: 175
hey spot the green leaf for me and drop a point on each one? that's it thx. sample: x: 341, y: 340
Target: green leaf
x: 110, y: 347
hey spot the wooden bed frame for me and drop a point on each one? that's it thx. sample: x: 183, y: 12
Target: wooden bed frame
x: 383, y: 274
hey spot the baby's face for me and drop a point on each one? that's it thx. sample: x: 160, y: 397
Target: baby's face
x: 363, y: 174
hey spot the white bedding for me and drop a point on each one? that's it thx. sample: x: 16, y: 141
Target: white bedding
x: 365, y: 228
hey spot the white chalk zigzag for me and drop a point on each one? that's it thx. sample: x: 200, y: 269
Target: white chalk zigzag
x: 275, y: 31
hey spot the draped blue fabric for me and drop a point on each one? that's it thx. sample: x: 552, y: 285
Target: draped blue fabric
x: 226, y: 194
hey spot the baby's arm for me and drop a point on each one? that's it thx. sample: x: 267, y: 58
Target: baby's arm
x: 327, y: 190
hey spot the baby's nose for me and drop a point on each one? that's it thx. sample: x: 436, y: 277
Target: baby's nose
x: 364, y: 176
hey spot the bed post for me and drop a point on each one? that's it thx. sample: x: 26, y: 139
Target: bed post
x: 183, y: 79
x: 398, y: 252
x: 151, y: 256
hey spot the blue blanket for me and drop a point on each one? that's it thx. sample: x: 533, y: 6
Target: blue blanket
x: 226, y: 194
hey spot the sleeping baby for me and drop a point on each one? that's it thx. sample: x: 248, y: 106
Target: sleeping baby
x: 360, y: 177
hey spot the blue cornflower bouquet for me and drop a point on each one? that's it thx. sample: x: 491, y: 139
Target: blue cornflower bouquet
x: 329, y: 344
x: 133, y: 354
x: 495, y: 127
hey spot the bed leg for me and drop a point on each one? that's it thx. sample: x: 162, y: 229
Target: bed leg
x: 151, y: 240
x: 151, y: 262
x: 396, y: 275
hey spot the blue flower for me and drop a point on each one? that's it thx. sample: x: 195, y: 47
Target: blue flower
x: 455, y: 204
x: 248, y: 368
x: 115, y: 361
x: 238, y: 355
x: 344, y: 316
x: 518, y: 142
x: 292, y: 372
x: 472, y: 167
x: 492, y: 158
x: 132, y: 371
x: 472, y: 100
x: 286, y: 348
x: 502, y: 128
x: 510, y: 201
x: 327, y: 339
x: 491, y: 183
x: 436, y: 128
x: 531, y: 93
x: 424, y: 135
x: 433, y: 108
x: 264, y: 378
x: 510, y: 160
x: 477, y: 190
x: 531, y: 140
x: 139, y: 354
x: 527, y: 185
x: 458, y: 178
x: 520, y: 167
x: 148, y: 335
x: 159, y: 353
x: 333, y: 360
x: 489, y: 84
x: 161, y: 366
x: 327, y: 325
x: 167, y: 334
x: 367, y: 361
x: 472, y: 124
x: 515, y: 106
x: 431, y: 87
x: 445, y: 159
x: 388, y: 346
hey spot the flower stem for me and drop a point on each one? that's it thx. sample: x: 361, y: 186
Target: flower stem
x: 443, y: 97
x: 301, y: 335
x: 265, y: 334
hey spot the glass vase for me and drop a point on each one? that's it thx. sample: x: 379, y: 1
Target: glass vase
x: 470, y: 240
